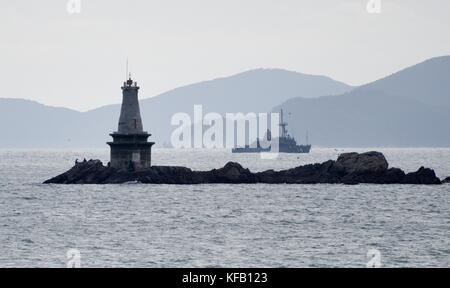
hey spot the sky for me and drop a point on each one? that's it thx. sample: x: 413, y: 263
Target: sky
x: 78, y: 60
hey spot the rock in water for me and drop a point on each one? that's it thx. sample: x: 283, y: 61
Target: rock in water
x: 231, y: 173
x: 89, y: 172
x: 446, y: 180
x: 364, y: 163
x: 422, y: 176
x: 350, y: 168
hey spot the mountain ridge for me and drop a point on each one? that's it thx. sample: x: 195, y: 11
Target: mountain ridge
x: 418, y: 93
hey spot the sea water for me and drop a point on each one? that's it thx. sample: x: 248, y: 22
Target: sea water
x: 138, y: 225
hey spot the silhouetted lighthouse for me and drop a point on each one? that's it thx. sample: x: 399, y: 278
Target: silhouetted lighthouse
x: 130, y: 149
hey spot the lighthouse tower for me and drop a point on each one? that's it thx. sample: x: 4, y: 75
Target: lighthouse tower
x: 130, y: 149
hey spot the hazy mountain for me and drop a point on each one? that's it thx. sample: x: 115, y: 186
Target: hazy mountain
x: 408, y: 108
x: 367, y: 118
x: 25, y: 123
x: 29, y: 124
x: 427, y: 82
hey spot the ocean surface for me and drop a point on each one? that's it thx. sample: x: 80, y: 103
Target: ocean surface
x: 136, y: 225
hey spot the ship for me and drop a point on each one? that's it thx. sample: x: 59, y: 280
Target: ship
x: 286, y: 143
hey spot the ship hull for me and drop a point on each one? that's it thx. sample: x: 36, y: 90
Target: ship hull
x: 250, y: 150
x: 299, y: 149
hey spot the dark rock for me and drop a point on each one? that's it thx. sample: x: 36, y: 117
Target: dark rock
x: 364, y: 163
x: 446, y: 180
x: 369, y: 167
x: 421, y: 176
x: 231, y: 173
x: 86, y: 172
x: 392, y: 176
x: 350, y: 168
x: 307, y: 174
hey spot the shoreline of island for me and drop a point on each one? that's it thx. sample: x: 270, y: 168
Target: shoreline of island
x: 350, y: 168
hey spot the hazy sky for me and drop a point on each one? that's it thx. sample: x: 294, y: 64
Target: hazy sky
x: 78, y: 60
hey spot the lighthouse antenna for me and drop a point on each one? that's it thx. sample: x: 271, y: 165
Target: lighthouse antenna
x: 126, y: 75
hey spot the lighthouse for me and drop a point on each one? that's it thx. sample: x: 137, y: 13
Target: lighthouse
x: 130, y: 149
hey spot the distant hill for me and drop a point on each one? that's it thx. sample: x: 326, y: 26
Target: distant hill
x: 427, y: 82
x: 27, y: 124
x: 408, y: 108
x: 367, y: 118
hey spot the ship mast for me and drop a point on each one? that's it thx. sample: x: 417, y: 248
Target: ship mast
x: 283, y: 126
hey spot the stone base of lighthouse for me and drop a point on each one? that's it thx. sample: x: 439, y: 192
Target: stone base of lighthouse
x: 130, y: 151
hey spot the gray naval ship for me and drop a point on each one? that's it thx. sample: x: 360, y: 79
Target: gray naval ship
x: 287, y: 144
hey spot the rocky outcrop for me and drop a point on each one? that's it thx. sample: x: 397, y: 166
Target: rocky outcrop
x: 355, y: 163
x: 349, y: 168
x: 422, y: 176
x: 446, y: 180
